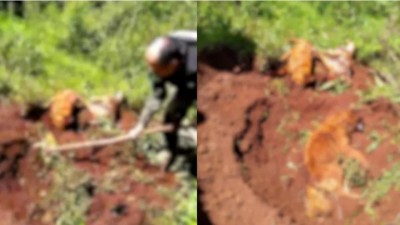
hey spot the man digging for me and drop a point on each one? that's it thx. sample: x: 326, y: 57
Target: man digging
x: 171, y: 59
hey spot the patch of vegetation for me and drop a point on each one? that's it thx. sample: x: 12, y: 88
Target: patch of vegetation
x: 93, y: 48
x: 376, y: 140
x: 380, y: 91
x: 372, y: 26
x: 185, y: 211
x: 143, y: 178
x: 380, y: 187
x: 281, y: 129
x: 191, y: 116
x: 304, y: 136
x: 393, y: 129
x: 337, y: 86
x: 354, y: 174
x: 271, y: 24
x: 279, y: 86
x: 67, y: 201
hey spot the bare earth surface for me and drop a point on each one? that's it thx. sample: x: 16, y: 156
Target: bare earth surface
x: 25, y: 181
x: 251, y: 143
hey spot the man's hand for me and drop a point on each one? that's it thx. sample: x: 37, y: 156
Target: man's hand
x: 136, y: 131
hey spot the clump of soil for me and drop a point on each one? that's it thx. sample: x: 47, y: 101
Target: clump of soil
x: 251, y: 146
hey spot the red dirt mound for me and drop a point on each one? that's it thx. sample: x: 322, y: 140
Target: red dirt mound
x: 19, y: 184
x: 251, y: 144
x: 25, y: 180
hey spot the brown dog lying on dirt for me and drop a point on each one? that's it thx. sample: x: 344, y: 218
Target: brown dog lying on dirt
x: 307, y: 65
x: 327, y: 146
x: 298, y: 62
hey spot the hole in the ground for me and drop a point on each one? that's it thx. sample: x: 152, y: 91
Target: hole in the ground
x: 120, y: 209
x: 34, y: 112
x: 237, y: 55
x: 227, y: 59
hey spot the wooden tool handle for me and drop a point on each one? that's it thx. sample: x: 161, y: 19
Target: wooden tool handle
x: 107, y: 141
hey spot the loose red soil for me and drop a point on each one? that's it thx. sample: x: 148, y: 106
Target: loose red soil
x: 25, y: 180
x: 252, y: 140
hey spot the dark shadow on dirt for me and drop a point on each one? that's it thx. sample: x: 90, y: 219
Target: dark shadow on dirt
x: 271, y: 66
x: 201, y: 117
x: 11, y: 155
x: 192, y: 161
x: 202, y: 216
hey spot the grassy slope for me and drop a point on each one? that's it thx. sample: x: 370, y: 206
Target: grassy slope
x: 95, y: 50
x: 271, y: 24
x: 373, y: 26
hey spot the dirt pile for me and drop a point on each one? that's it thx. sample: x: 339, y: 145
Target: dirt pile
x: 19, y: 183
x: 251, y: 146
x: 121, y: 182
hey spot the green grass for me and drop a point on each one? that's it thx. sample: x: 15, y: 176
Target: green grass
x: 270, y: 24
x: 264, y: 28
x: 96, y: 50
x: 380, y: 187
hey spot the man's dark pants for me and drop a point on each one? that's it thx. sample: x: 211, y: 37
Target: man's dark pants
x: 175, y: 113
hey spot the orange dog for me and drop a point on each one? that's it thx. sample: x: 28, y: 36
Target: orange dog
x: 326, y: 146
x: 299, y: 62
x: 62, y: 106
